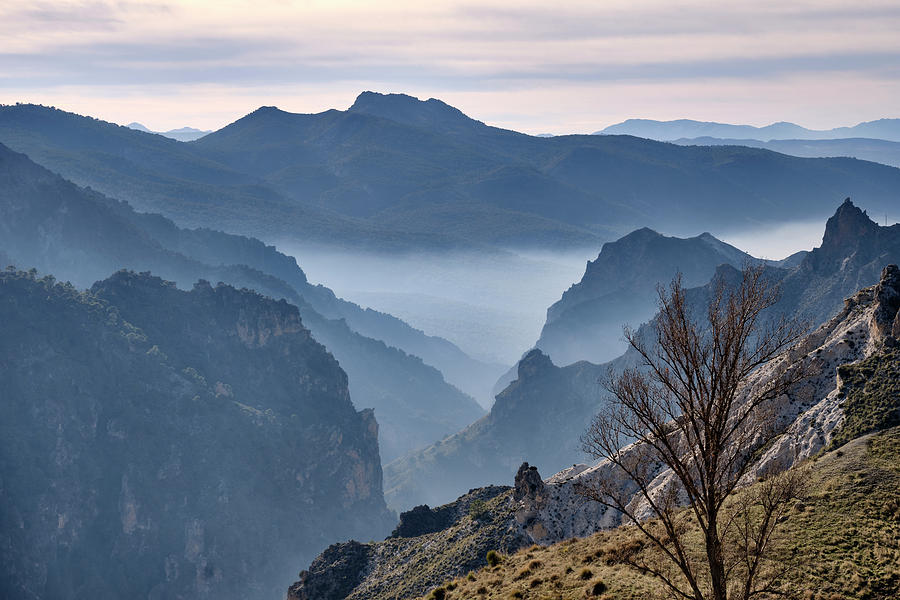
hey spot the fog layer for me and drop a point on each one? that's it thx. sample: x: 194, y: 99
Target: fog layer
x: 494, y: 305
x: 491, y: 305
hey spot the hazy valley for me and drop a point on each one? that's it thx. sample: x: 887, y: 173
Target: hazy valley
x: 337, y: 342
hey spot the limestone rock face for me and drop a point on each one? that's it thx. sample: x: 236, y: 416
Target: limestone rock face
x: 848, y: 229
x: 160, y: 443
x: 887, y: 297
x: 529, y: 486
x: 807, y: 418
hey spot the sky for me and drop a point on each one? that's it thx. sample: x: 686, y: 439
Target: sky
x: 536, y: 67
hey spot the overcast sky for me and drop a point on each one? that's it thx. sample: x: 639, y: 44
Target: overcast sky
x: 572, y: 67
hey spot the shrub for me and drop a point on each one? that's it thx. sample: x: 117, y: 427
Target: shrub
x: 478, y: 509
x: 534, y: 565
x: 536, y: 582
x: 516, y: 594
x: 586, y: 574
x: 598, y: 588
x: 438, y: 593
x: 470, y: 576
x: 493, y: 558
x: 481, y: 591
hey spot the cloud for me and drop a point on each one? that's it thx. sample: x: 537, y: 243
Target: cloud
x: 487, y: 47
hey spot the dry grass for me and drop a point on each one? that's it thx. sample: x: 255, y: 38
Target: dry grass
x: 845, y: 540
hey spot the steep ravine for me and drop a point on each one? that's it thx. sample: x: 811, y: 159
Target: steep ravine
x: 831, y: 406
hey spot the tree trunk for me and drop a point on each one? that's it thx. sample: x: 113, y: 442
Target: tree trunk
x: 715, y: 559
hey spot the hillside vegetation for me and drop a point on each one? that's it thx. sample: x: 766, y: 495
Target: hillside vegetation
x: 844, y: 539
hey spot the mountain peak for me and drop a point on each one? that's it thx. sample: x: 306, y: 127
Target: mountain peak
x: 846, y: 226
x: 532, y: 363
x: 267, y: 110
x: 431, y: 114
x: 642, y: 234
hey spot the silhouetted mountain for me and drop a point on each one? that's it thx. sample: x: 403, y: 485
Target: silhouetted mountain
x: 81, y: 236
x: 539, y: 417
x: 182, y: 134
x: 397, y: 173
x: 619, y: 287
x: 883, y: 129
x: 163, y: 443
x: 526, y: 423
x: 853, y: 253
x: 138, y: 126
x: 881, y: 151
x: 432, y: 114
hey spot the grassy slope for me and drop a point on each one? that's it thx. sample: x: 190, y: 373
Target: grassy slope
x: 847, y: 536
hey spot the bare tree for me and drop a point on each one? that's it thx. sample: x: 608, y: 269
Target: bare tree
x: 680, y: 429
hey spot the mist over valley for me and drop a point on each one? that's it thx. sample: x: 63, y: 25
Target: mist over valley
x: 363, y: 332
x: 491, y: 304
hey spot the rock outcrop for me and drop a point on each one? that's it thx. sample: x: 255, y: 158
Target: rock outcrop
x: 334, y: 574
x: 415, y: 559
x: 886, y: 318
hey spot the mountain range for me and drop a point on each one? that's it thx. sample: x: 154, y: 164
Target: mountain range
x: 882, y: 129
x: 540, y: 415
x: 881, y: 151
x: 82, y: 236
x: 182, y: 134
x: 396, y: 173
x: 188, y: 416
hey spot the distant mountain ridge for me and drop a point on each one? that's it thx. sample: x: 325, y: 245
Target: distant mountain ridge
x: 880, y: 151
x: 182, y: 134
x: 883, y: 129
x: 393, y: 173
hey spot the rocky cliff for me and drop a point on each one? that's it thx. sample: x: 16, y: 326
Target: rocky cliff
x: 830, y: 406
x: 619, y: 288
x: 158, y: 443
